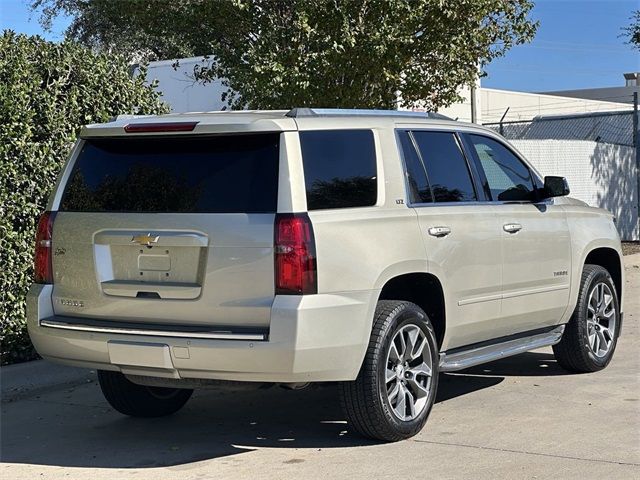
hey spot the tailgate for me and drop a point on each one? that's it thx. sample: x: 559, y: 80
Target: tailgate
x: 174, y: 231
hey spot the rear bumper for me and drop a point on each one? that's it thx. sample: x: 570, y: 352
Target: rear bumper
x: 311, y: 338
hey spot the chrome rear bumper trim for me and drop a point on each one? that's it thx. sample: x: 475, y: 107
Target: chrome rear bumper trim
x: 49, y: 323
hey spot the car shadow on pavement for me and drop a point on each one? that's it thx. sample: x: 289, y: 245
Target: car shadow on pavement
x: 78, y: 429
x: 530, y: 364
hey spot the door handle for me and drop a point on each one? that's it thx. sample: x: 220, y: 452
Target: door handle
x: 439, y: 231
x: 512, y: 227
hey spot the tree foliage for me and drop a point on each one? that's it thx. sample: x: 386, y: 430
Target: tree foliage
x: 47, y: 92
x: 142, y: 29
x: 632, y: 31
x: 331, y: 53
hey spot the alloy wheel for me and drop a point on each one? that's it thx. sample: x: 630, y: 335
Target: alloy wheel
x: 408, y: 372
x: 601, y: 319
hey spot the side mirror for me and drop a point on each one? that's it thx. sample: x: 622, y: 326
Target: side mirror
x: 555, y: 187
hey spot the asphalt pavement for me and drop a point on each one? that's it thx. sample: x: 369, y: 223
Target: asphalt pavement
x: 521, y: 417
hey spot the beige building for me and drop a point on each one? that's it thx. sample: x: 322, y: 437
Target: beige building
x: 621, y: 94
x: 490, y: 105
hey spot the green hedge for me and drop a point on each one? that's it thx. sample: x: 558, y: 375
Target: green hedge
x: 47, y: 92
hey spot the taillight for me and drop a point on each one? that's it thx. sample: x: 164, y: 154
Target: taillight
x: 295, y: 255
x: 43, y: 271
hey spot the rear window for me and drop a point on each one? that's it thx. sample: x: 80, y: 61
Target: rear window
x: 215, y: 174
x: 446, y: 166
x: 339, y: 168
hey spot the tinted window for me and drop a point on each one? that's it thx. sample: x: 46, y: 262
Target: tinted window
x: 419, y: 191
x: 339, y: 168
x: 509, y: 179
x: 446, y: 166
x: 222, y: 174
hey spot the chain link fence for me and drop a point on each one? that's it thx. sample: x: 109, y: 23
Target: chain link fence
x: 602, y: 127
x: 596, y: 152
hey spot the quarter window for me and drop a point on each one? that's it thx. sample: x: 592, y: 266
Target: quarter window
x: 339, y: 168
x: 509, y: 179
x: 446, y: 166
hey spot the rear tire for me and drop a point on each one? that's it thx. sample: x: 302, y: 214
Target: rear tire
x: 136, y: 400
x: 396, y: 387
x: 591, y: 335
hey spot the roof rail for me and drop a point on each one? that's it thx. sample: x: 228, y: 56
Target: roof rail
x: 335, y: 112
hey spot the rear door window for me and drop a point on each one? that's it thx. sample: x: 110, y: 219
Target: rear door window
x: 419, y: 190
x: 339, y: 168
x: 446, y: 165
x: 186, y: 174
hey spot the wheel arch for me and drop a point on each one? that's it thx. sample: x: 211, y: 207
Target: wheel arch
x: 423, y: 289
x: 609, y: 259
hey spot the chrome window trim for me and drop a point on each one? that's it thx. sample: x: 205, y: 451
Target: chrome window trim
x: 482, y: 203
x: 449, y: 204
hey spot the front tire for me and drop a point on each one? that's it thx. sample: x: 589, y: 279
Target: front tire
x: 136, y: 400
x: 591, y: 336
x: 395, y: 389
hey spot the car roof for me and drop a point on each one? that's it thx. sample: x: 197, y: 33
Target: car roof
x: 275, y: 120
x: 297, y: 119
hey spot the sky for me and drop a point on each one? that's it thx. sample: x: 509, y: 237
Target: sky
x: 577, y: 45
x: 17, y: 15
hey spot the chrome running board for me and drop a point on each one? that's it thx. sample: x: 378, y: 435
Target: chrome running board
x: 465, y: 358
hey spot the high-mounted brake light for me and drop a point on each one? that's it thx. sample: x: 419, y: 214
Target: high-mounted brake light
x: 295, y: 255
x: 43, y: 271
x: 160, y: 127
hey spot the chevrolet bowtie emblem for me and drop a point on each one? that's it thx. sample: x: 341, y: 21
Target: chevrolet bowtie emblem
x: 147, y: 240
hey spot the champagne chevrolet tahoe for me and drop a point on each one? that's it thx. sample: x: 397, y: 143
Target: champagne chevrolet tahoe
x: 374, y: 249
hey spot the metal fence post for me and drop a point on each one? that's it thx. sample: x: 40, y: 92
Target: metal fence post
x: 636, y: 145
x: 502, y: 120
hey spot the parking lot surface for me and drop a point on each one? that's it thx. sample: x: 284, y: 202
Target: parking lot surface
x: 521, y: 417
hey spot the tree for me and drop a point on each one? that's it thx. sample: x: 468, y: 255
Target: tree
x: 47, y: 92
x: 332, y: 53
x: 632, y: 31
x: 141, y: 29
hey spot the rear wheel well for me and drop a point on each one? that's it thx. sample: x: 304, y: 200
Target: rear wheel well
x: 609, y: 259
x: 424, y: 290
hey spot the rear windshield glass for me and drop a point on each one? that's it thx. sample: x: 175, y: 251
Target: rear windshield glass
x: 216, y: 174
x: 339, y: 168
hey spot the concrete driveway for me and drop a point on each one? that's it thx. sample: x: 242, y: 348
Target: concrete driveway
x: 521, y: 417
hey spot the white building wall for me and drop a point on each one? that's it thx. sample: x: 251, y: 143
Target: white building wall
x: 600, y: 174
x: 462, y: 110
x: 525, y: 106
x: 491, y: 105
x: 180, y: 90
x: 611, y: 94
